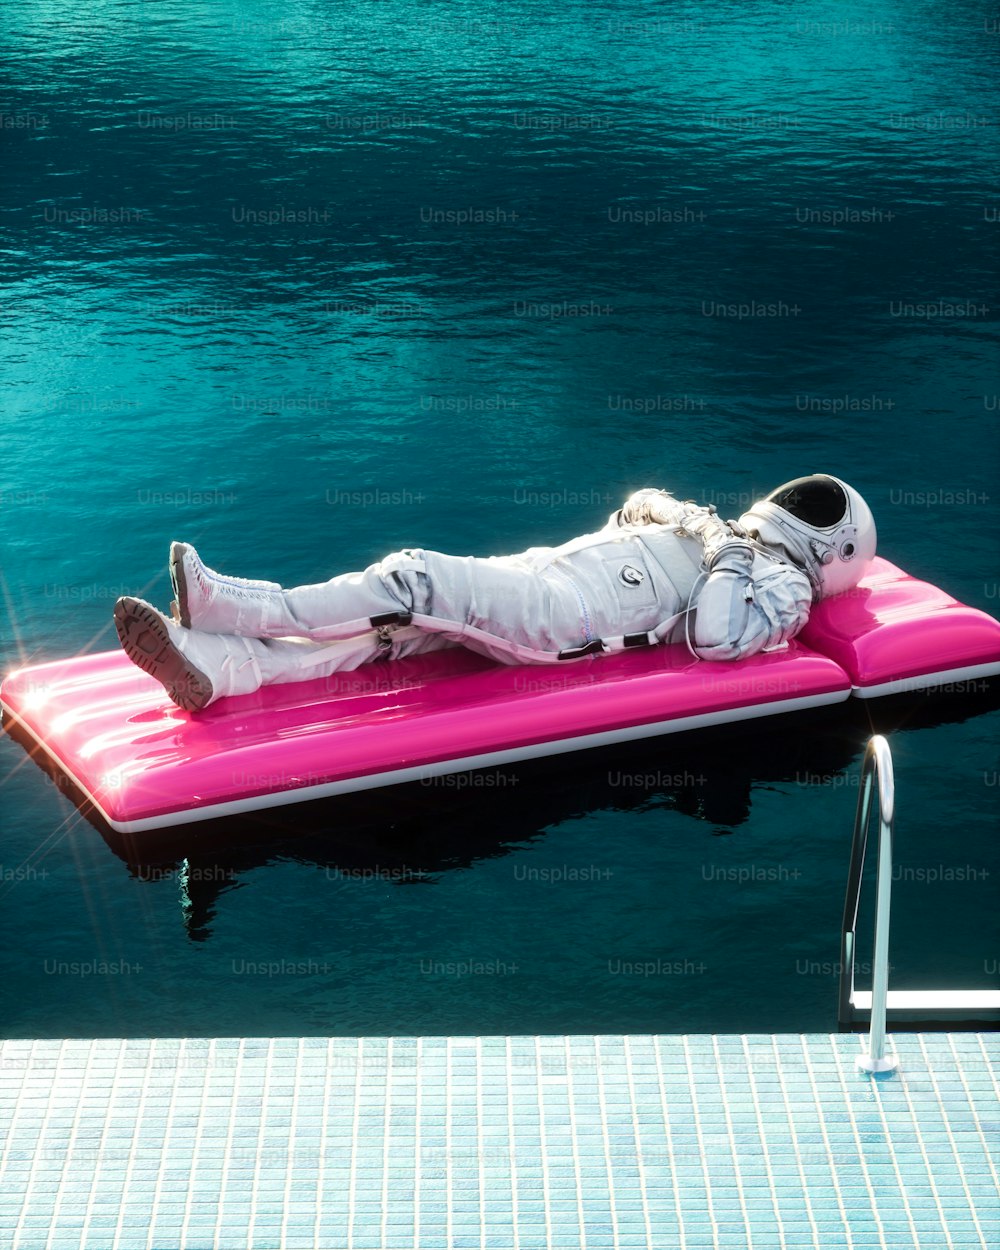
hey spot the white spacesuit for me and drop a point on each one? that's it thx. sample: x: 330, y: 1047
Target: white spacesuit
x: 639, y: 581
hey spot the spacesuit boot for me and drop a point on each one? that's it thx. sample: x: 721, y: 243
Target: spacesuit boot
x: 340, y: 608
x: 197, y: 668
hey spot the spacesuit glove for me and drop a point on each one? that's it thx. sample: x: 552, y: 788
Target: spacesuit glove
x: 651, y: 506
x: 734, y: 555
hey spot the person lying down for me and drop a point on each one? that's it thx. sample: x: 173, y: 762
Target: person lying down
x: 660, y: 571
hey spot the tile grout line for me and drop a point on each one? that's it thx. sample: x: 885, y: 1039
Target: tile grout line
x: 512, y: 1143
x: 352, y: 1174
x: 776, y: 1206
x: 696, y: 1113
x: 845, y: 1094
x: 98, y: 1161
x: 233, y: 1067
x: 543, y: 1140
x: 179, y: 1066
x: 293, y: 1125
x: 117, y: 1243
x: 942, y: 1216
x: 95, y: 1185
x: 236, y: 1086
x: 158, y: 1188
x: 448, y: 1144
x: 204, y: 1145
x: 988, y: 1065
x: 24, y: 1100
x: 418, y: 1148
x: 74, y: 1129
x: 737, y: 1170
x: 324, y: 1125
x: 968, y: 1092
x: 876, y: 1093
x: 668, y: 1134
x: 608, y: 1162
x: 480, y: 1142
x: 696, y: 1118
x: 806, y: 1195
x: 574, y: 1134
x: 954, y: 1146
x: 826, y: 1141
x: 386, y: 1137
x: 261, y: 1138
x: 640, y: 1152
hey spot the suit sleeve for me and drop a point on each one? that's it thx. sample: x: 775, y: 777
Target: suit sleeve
x: 749, y: 603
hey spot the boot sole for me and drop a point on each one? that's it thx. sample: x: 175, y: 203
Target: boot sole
x: 146, y: 642
x: 177, y: 554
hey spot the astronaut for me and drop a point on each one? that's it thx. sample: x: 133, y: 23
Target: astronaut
x: 660, y: 571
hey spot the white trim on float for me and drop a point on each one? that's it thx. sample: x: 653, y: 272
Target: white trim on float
x: 927, y: 681
x: 441, y: 768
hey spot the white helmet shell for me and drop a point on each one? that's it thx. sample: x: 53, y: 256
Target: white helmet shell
x: 823, y: 525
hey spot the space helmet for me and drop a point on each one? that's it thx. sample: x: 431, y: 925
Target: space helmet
x: 823, y: 525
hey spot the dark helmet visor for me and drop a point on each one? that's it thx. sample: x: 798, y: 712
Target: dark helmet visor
x: 816, y: 500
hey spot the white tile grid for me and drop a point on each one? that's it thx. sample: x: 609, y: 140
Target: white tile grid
x: 418, y: 1152
x: 197, y: 1158
x: 355, y: 1151
x: 448, y: 1156
x: 608, y: 1162
x: 671, y: 1153
x: 289, y: 1197
x: 695, y: 1100
x: 261, y: 1150
x: 846, y: 1067
x: 231, y: 1145
x: 486, y: 1150
x: 71, y: 1163
x: 175, y: 1106
x: 734, y: 1150
x: 122, y: 1073
x: 387, y: 1144
x: 951, y: 1141
x: 832, y: 1165
x: 918, y: 1136
x: 990, y: 1072
x: 321, y: 1169
x: 874, y: 1199
x: 511, y: 1139
x: 583, y: 1134
x: 635, y: 1105
x: 41, y: 1154
x: 17, y: 1158
x: 765, y: 1154
x: 798, y: 1148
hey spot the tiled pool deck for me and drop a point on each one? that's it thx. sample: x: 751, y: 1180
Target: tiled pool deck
x: 524, y: 1142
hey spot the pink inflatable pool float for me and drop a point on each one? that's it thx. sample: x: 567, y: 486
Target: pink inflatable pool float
x: 144, y: 764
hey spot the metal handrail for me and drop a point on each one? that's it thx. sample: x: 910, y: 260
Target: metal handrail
x: 876, y: 768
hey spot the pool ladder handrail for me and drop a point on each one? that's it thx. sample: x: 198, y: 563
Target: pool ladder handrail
x: 876, y: 776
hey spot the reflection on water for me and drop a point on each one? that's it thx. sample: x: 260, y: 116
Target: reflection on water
x: 711, y: 847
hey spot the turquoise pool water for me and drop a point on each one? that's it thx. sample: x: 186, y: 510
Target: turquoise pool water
x: 303, y: 283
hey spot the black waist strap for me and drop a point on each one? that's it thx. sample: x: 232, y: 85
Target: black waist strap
x: 576, y: 653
